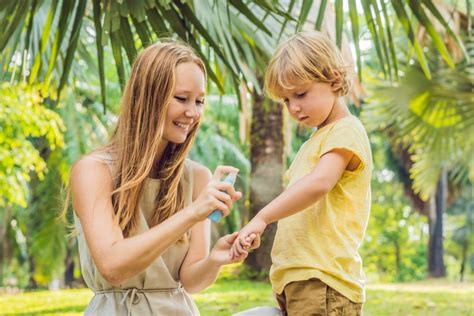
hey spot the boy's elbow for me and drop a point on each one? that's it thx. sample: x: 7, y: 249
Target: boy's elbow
x: 323, y: 187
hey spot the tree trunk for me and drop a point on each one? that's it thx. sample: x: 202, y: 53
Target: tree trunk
x: 5, y: 248
x: 398, y: 257
x: 436, y: 266
x: 69, y: 268
x: 266, y: 157
x: 32, y: 284
x: 463, y: 261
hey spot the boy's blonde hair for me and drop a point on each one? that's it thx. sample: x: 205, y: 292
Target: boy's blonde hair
x: 304, y: 58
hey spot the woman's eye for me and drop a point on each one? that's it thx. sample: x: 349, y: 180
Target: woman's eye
x: 200, y: 102
x: 180, y: 99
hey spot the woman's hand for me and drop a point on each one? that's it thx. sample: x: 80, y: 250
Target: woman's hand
x: 221, y: 252
x: 244, y: 241
x: 216, y: 195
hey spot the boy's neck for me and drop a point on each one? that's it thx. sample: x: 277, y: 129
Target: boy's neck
x: 338, y: 111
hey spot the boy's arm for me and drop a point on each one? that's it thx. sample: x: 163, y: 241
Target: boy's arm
x: 302, y: 194
x: 309, y: 189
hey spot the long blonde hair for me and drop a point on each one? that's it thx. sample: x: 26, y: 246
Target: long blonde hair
x: 134, y: 144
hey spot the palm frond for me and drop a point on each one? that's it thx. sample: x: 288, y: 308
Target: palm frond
x: 431, y: 118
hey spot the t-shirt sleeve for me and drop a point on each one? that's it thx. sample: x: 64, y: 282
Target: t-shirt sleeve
x: 348, y: 137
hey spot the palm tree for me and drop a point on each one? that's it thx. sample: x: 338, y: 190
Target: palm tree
x: 223, y: 32
x: 39, y: 40
x: 462, y: 235
x: 426, y: 121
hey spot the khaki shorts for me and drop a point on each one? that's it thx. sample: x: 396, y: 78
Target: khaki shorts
x: 313, y: 297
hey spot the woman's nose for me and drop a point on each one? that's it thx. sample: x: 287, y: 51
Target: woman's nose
x: 193, y: 112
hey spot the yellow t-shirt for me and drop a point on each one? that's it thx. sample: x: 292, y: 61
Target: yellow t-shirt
x: 322, y: 241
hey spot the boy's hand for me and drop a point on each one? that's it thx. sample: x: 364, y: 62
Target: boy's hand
x: 221, y: 252
x: 249, y: 237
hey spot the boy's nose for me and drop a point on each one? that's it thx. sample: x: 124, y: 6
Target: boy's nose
x: 294, y: 108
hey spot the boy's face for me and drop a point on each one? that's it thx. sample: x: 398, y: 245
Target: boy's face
x: 310, y: 104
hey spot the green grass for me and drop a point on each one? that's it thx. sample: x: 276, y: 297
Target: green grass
x: 227, y: 296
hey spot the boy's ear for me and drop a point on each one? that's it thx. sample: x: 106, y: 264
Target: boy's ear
x: 336, y: 86
x: 336, y: 83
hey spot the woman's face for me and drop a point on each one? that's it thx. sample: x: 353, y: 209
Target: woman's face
x: 187, y: 103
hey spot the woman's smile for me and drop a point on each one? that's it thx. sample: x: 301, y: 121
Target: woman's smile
x: 182, y: 126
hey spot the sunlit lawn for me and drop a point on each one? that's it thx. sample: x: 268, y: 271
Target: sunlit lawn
x: 227, y: 296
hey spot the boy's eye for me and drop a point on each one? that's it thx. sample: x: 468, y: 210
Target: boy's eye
x: 285, y: 101
x: 300, y: 95
x: 180, y: 99
x: 200, y: 102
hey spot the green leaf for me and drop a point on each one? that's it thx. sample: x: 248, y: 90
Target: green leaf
x: 61, y: 28
x: 373, y: 32
x: 403, y: 18
x: 175, y: 21
x: 305, y: 7
x: 429, y: 4
x: 355, y: 34
x: 391, y: 44
x: 437, y: 40
x: 100, y: 51
x: 72, y: 45
x: 126, y: 38
x: 43, y: 42
x: 186, y: 11
x: 339, y: 19
x: 157, y: 24
x: 17, y: 20
x: 142, y: 31
x: 321, y: 11
x: 117, y: 53
x: 29, y: 27
x: 283, y: 26
x: 380, y: 28
x: 244, y: 9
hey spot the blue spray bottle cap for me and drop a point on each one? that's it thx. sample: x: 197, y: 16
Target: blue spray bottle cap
x: 216, y: 215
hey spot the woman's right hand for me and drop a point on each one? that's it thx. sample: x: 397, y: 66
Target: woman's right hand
x: 216, y: 195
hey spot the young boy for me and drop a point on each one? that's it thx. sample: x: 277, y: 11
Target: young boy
x: 323, y: 214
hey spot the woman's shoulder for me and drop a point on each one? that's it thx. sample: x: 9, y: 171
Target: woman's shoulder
x: 198, y: 170
x: 90, y: 169
x: 201, y: 176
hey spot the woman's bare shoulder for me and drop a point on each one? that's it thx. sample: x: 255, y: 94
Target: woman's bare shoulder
x: 90, y: 174
x: 199, y: 170
x: 201, y: 175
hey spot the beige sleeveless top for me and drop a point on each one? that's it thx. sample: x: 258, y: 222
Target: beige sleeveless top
x: 155, y: 291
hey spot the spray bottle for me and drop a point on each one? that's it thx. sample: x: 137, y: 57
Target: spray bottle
x: 216, y: 215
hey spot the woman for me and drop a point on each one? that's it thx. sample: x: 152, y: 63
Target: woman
x: 140, y: 206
